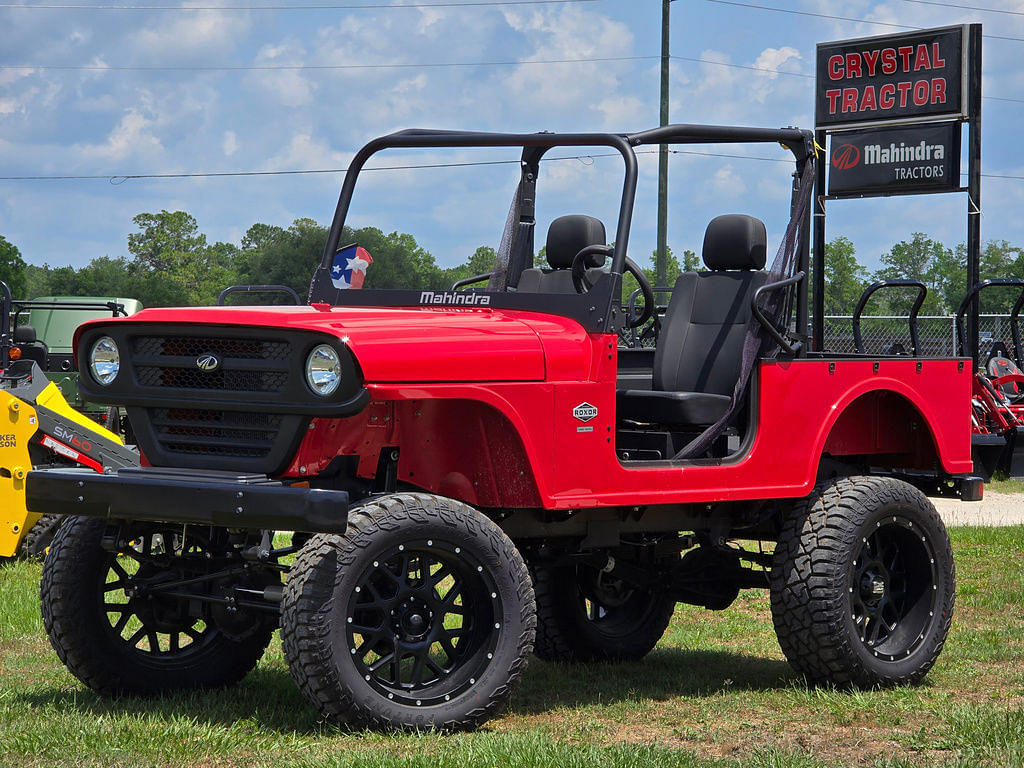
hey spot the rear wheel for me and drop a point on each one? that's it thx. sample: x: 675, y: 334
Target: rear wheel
x: 111, y: 617
x: 583, y: 614
x: 862, y: 583
x: 420, y: 616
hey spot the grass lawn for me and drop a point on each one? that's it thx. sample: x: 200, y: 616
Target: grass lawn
x: 716, y: 692
x: 1005, y: 486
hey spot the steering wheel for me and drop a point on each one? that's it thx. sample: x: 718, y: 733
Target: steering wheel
x: 582, y: 283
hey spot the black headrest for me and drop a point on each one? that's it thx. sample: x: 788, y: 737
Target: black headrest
x: 568, y: 235
x: 25, y: 334
x: 735, y: 241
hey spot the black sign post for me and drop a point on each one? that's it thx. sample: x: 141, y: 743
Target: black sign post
x: 893, y: 106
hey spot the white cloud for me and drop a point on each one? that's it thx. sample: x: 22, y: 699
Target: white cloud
x: 774, y: 58
x: 171, y: 35
x: 230, y: 144
x: 131, y: 137
x: 305, y: 151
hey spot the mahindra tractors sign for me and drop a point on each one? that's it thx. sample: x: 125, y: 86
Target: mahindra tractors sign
x: 911, y: 158
x: 909, y: 76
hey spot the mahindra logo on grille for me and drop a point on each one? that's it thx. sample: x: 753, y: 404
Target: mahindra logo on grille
x: 208, y: 362
x: 584, y: 412
x: 845, y: 157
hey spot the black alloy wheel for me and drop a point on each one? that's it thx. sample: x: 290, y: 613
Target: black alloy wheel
x: 893, y: 588
x: 114, y: 623
x: 863, y: 583
x: 421, y: 615
x: 421, y: 622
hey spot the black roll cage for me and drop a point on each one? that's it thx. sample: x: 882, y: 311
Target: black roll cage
x: 598, y: 310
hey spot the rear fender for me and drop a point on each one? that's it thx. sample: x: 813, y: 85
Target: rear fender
x: 885, y: 416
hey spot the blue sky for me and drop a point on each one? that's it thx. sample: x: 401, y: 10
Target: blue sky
x: 108, y: 121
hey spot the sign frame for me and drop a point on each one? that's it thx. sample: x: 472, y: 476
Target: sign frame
x: 955, y: 159
x: 961, y: 112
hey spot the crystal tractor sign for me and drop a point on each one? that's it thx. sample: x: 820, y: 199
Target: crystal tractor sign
x: 890, y: 109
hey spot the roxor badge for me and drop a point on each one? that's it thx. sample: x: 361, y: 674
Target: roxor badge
x: 584, y: 412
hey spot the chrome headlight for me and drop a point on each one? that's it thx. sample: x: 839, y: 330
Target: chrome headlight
x: 323, y: 370
x: 104, y: 360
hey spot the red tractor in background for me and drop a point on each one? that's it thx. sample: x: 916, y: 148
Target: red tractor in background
x: 473, y: 475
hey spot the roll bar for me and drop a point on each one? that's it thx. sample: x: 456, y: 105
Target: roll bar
x: 766, y: 323
x: 258, y: 289
x: 115, y: 308
x: 922, y: 292
x: 961, y: 333
x: 5, y: 326
x: 799, y: 142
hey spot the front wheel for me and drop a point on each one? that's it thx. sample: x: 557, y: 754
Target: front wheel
x: 862, y: 583
x: 421, y: 615
x: 112, y: 615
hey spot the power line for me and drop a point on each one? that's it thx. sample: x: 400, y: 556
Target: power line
x: 742, y: 66
x: 291, y: 67
x: 331, y: 7
x: 120, y: 178
x: 798, y: 74
x: 966, y: 7
x: 428, y: 65
x: 840, y: 18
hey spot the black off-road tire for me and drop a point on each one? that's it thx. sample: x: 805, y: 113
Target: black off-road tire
x: 73, y: 616
x: 322, y: 587
x: 39, y: 537
x: 568, y: 632
x: 823, y: 584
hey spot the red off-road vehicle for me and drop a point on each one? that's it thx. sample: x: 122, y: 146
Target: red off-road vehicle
x: 475, y: 475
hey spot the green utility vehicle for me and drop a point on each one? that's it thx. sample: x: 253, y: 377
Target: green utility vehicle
x: 44, y: 330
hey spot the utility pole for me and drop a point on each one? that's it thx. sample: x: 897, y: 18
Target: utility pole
x: 661, y: 260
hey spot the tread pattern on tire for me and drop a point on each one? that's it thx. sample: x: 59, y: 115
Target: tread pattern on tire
x: 80, y: 643
x: 39, y: 536
x: 305, y: 632
x: 808, y: 593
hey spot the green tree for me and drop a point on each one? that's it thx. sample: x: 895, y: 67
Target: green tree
x: 948, y: 278
x: 911, y: 259
x: 12, y: 268
x: 480, y: 262
x: 999, y: 259
x: 673, y: 268
x: 845, y: 279
x: 164, y: 235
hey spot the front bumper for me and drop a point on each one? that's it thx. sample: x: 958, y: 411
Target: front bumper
x: 227, y: 499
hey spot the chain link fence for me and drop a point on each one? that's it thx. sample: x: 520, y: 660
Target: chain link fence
x: 889, y: 334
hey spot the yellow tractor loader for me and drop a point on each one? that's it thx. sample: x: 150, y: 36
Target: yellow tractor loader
x: 39, y: 429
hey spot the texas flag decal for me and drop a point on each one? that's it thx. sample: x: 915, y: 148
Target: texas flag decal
x: 349, y: 268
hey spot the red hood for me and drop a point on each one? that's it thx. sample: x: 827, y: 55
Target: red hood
x: 400, y: 344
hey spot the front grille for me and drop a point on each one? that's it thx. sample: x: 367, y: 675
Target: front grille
x: 226, y: 434
x: 193, y: 346
x: 193, y: 378
x: 246, y: 365
x: 248, y: 414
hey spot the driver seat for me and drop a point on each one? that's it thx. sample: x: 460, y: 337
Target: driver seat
x: 700, y: 350
x: 567, y: 236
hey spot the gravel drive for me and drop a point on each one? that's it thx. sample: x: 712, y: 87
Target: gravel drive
x: 994, y: 509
